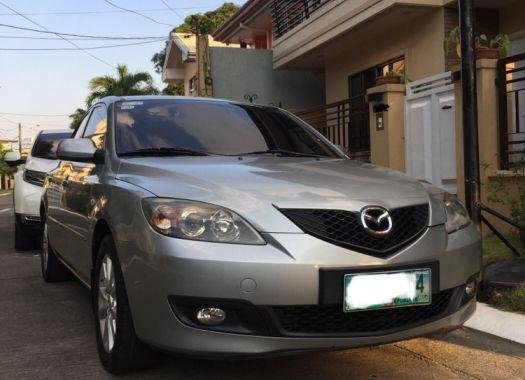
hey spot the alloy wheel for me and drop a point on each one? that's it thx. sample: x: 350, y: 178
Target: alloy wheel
x: 107, y: 304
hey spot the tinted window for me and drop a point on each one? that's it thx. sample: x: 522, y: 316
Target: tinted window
x: 46, y: 145
x: 97, y: 126
x: 212, y: 127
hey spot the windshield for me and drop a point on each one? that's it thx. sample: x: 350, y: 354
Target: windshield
x: 46, y: 145
x: 169, y: 126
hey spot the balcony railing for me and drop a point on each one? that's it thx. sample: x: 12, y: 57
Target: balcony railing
x: 511, y: 88
x: 345, y: 123
x: 287, y: 14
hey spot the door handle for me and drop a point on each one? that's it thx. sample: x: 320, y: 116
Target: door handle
x: 65, y: 183
x: 446, y: 107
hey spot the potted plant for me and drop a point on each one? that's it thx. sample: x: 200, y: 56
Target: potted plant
x: 495, y: 48
x: 390, y: 77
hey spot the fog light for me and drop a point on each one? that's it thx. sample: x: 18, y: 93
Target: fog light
x: 211, y: 316
x: 470, y: 288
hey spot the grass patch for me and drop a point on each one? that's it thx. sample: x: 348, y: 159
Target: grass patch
x: 509, y: 300
x: 494, y: 249
x: 5, y: 191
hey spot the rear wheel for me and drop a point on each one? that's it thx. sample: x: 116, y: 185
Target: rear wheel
x: 118, y: 346
x: 52, y: 269
x: 25, y: 239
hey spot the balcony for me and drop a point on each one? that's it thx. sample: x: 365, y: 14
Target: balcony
x: 287, y: 14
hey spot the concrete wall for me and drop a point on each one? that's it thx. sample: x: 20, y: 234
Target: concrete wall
x: 420, y: 41
x: 237, y: 72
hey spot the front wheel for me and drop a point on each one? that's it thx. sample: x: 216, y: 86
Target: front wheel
x: 25, y: 238
x: 52, y: 269
x: 119, y: 349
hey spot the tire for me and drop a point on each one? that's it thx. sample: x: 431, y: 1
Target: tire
x: 25, y: 239
x: 124, y: 352
x: 52, y: 269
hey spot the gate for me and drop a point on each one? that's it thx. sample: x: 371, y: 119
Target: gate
x: 430, y: 131
x: 511, y: 93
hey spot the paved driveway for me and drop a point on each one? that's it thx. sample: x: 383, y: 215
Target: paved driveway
x: 46, y: 332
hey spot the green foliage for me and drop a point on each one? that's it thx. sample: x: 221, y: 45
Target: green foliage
x: 198, y: 23
x: 494, y: 249
x: 126, y: 83
x: 173, y: 89
x: 451, y: 40
x: 509, y: 189
x: 76, y: 118
x: 4, y: 168
x: 500, y: 42
x: 508, y: 299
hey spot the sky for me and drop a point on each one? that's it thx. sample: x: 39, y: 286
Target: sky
x: 55, y: 82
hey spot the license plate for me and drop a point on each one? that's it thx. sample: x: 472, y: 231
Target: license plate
x: 385, y: 290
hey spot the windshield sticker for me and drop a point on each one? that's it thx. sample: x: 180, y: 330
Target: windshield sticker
x: 130, y: 105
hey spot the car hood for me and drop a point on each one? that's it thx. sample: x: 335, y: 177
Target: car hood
x: 255, y: 187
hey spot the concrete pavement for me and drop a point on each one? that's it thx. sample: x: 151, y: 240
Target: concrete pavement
x: 47, y: 332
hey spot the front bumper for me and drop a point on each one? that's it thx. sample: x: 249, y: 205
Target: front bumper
x: 283, y: 274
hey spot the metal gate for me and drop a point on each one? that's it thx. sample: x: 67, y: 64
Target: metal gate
x: 511, y: 90
x: 430, y: 131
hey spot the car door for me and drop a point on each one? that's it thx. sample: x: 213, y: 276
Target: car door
x: 59, y: 231
x: 78, y: 200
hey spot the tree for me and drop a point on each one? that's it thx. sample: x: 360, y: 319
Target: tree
x: 4, y: 168
x: 198, y: 23
x: 126, y: 83
x: 76, y: 118
x: 173, y: 89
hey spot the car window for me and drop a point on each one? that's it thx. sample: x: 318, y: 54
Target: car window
x: 212, y: 127
x: 97, y: 126
x: 82, y: 126
x: 46, y: 145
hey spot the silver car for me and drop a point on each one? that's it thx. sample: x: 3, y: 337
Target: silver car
x: 217, y: 228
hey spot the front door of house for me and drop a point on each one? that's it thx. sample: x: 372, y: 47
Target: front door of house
x: 359, y: 118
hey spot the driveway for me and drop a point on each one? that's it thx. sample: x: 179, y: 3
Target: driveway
x: 46, y: 332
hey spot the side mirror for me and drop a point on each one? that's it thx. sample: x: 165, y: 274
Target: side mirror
x: 79, y: 150
x: 14, y: 159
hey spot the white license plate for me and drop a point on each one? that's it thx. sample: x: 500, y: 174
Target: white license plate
x: 384, y: 290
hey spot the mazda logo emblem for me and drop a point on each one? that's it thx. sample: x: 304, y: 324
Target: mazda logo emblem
x: 376, y: 220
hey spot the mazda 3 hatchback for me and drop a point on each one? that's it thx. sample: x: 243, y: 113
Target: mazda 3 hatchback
x: 217, y: 228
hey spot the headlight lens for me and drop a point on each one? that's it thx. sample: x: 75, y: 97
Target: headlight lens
x: 198, y: 221
x: 457, y: 215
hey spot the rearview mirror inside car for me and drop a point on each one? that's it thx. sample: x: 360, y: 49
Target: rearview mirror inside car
x: 79, y: 150
x: 14, y: 159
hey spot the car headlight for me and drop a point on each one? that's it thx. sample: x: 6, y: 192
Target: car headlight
x: 457, y: 215
x: 198, y: 221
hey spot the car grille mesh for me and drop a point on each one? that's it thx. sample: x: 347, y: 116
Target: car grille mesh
x: 343, y: 228
x: 330, y: 319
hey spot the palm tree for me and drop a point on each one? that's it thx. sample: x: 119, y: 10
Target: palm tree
x: 76, y: 117
x: 140, y: 83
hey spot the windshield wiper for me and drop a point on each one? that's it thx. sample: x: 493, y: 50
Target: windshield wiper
x: 163, y: 152
x: 282, y: 152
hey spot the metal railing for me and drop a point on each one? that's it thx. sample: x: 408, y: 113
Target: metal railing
x: 345, y: 123
x: 287, y: 14
x: 511, y: 93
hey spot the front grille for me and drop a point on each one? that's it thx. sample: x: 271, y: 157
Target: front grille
x: 330, y: 319
x: 343, y: 228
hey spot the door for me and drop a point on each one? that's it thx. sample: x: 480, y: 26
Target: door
x: 359, y: 116
x: 430, y: 131
x: 78, y: 200
x: 59, y: 231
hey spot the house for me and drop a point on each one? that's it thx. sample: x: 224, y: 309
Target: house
x: 208, y: 67
x: 415, y: 126
x: 180, y: 65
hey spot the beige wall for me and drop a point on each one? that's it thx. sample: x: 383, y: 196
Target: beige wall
x: 420, y: 39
